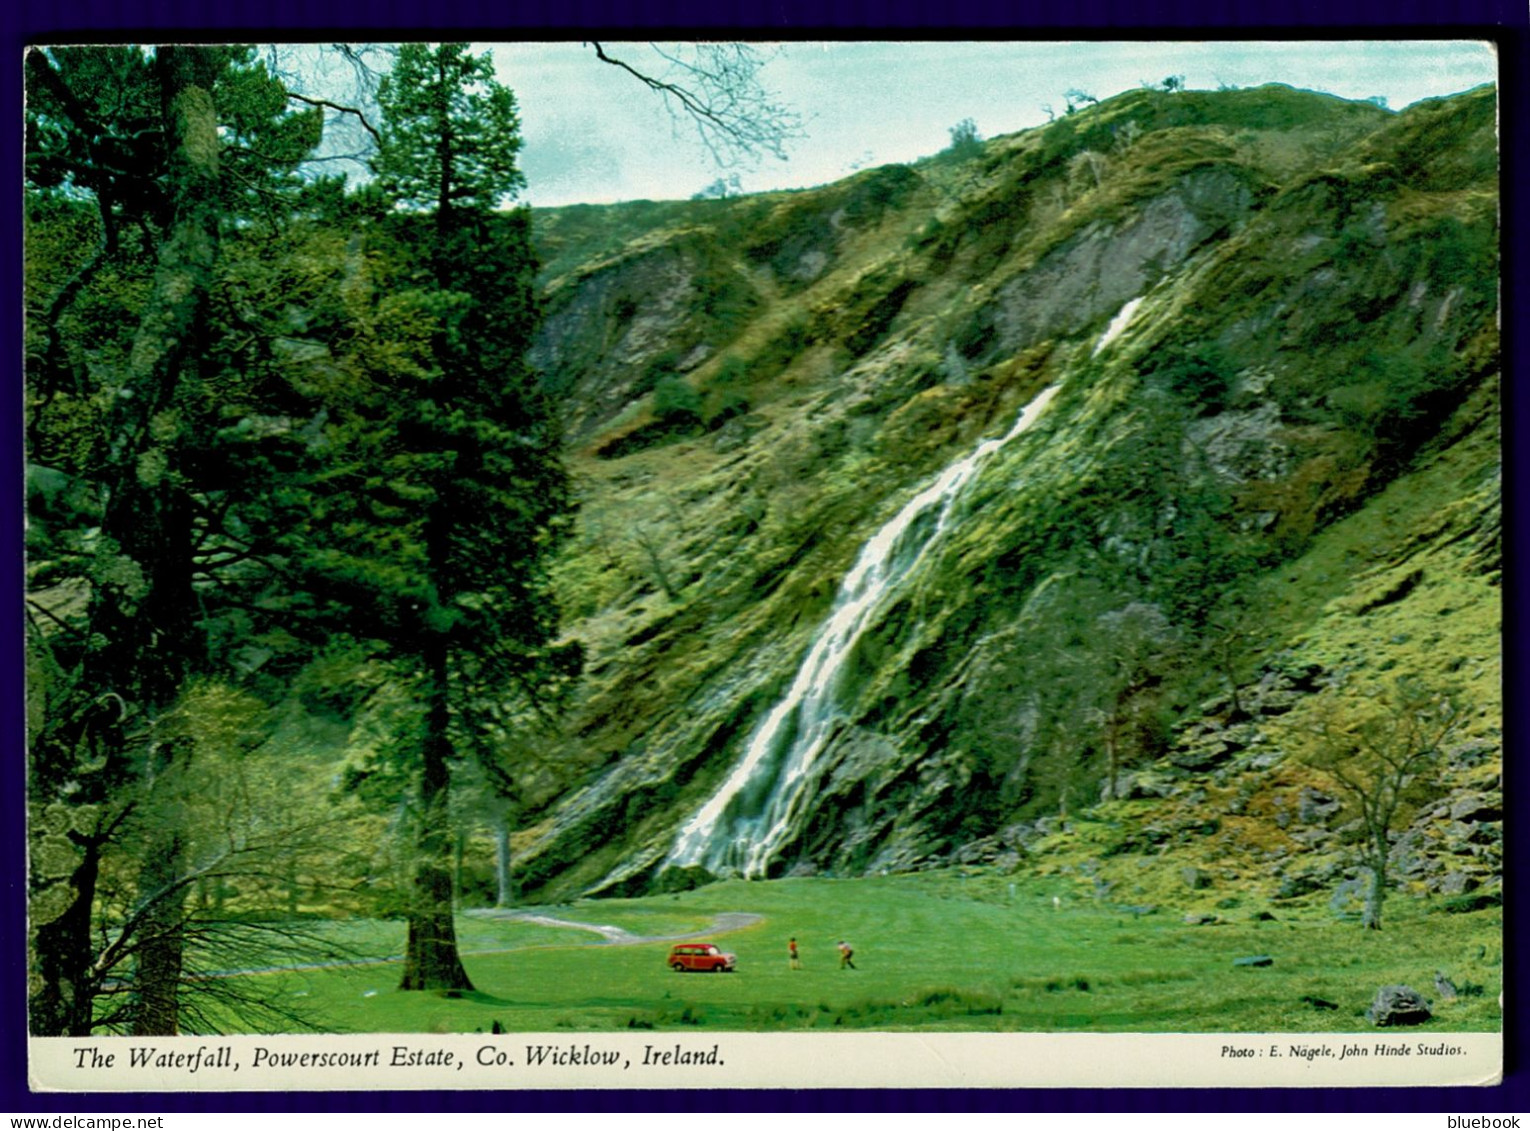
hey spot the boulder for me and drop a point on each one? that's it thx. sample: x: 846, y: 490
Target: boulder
x: 1255, y: 960
x: 1485, y: 833
x: 1293, y: 887
x: 1397, y: 1005
x: 1018, y: 836
x: 1471, y: 901
x: 1314, y: 807
x: 1279, y: 702
x: 1144, y: 785
x: 984, y: 851
x: 1458, y: 883
x: 1476, y: 808
x: 1200, y: 756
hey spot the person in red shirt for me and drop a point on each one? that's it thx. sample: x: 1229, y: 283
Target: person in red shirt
x: 791, y: 950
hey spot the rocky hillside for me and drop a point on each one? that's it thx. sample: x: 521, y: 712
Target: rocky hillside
x: 1263, y: 489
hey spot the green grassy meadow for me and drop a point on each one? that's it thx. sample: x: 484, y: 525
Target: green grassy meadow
x: 936, y: 951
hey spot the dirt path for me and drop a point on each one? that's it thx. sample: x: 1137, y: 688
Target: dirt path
x: 618, y: 936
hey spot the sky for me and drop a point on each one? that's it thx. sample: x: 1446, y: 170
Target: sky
x: 593, y: 134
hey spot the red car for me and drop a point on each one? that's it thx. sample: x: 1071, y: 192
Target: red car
x: 700, y: 956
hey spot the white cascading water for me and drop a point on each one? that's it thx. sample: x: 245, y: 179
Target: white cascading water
x: 1117, y: 325
x: 743, y: 824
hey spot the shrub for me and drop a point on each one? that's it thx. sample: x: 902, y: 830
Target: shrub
x: 1396, y: 396
x: 966, y: 142
x: 1459, y: 253
x: 655, y: 371
x: 873, y: 194
x: 725, y: 405
x: 731, y: 371
x: 776, y: 354
x: 1471, y: 901
x: 1201, y: 377
x: 674, y: 399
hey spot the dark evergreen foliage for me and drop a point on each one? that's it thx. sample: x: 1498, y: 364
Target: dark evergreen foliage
x: 443, y: 492
x: 171, y: 146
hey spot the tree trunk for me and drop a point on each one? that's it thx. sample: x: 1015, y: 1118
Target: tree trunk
x: 141, y: 605
x: 1112, y: 762
x: 504, y: 894
x: 459, y: 855
x: 63, y: 1002
x: 1377, y: 892
x: 431, y: 961
x: 158, y: 534
x: 161, y: 949
x: 158, y: 938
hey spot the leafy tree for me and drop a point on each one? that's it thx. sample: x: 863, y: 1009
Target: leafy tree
x: 1077, y: 99
x: 1383, y: 749
x: 965, y: 140
x: 441, y: 492
x: 1201, y: 378
x: 1135, y: 645
x: 720, y: 189
x: 1230, y: 643
x: 258, y: 831
x: 676, y: 405
x: 170, y: 145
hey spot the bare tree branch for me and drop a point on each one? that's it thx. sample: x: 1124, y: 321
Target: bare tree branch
x: 720, y: 91
x: 340, y: 79
x: 339, y: 109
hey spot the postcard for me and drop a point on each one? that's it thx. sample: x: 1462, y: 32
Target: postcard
x: 754, y: 565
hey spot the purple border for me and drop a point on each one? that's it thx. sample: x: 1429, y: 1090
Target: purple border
x: 83, y: 20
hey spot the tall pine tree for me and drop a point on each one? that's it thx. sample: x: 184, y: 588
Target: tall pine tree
x: 444, y: 492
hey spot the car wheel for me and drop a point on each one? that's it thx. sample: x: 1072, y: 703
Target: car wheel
x: 678, y: 968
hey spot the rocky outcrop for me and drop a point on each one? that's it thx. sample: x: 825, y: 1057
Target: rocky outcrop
x: 1095, y: 272
x: 658, y: 311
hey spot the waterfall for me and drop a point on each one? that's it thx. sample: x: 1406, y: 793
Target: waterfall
x: 1117, y: 324
x: 744, y: 822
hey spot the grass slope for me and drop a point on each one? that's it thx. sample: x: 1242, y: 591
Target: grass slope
x: 948, y: 951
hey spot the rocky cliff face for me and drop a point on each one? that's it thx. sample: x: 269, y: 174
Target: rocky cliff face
x: 1266, y: 478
